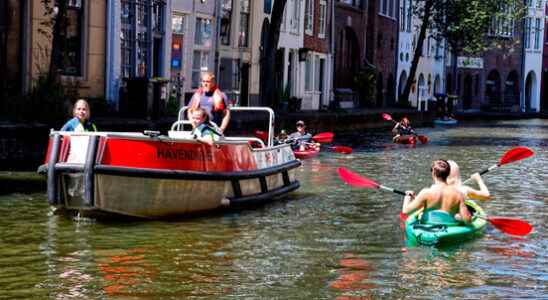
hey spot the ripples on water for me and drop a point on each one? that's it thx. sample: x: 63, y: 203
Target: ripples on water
x: 325, y: 241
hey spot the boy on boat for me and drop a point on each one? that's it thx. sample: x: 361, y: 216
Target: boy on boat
x: 80, y: 121
x: 201, y: 131
x: 210, y: 97
x: 440, y: 197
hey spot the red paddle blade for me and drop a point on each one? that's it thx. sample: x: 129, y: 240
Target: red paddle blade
x: 342, y: 149
x: 511, y: 226
x: 423, y: 139
x: 356, y: 180
x: 324, y: 137
x: 387, y: 117
x: 516, y: 154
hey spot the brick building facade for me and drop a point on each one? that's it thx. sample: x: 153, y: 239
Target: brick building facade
x: 382, y: 41
x: 349, y: 39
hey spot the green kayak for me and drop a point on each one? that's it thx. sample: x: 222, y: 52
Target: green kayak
x: 438, y: 228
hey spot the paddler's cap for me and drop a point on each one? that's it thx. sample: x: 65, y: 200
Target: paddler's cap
x: 300, y: 122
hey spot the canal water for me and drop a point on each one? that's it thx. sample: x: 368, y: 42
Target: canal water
x: 325, y: 241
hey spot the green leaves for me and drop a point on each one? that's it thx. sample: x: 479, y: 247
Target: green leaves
x: 472, y: 26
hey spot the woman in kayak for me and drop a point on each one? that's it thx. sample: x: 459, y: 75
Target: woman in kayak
x: 440, y: 197
x: 468, y: 192
x: 403, y: 128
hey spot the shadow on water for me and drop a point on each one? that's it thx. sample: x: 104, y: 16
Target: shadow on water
x: 21, y: 182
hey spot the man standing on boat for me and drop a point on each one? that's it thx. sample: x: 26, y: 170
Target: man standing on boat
x: 440, y: 197
x: 210, y: 97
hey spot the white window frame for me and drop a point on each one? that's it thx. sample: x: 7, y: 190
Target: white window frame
x: 388, y: 8
x: 309, y: 17
x: 296, y: 17
x: 204, y: 53
x: 322, y: 19
x: 309, y: 73
x: 537, y: 33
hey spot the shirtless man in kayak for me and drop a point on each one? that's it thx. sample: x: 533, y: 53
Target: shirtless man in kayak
x: 440, y: 196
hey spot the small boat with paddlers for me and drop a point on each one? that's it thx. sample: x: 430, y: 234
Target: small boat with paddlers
x: 149, y: 175
x: 310, y: 152
x: 438, y: 228
x: 405, y: 139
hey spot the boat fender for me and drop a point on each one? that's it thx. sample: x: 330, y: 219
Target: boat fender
x: 225, y: 202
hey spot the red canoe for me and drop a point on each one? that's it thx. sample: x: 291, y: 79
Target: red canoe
x: 405, y: 139
x: 308, y: 153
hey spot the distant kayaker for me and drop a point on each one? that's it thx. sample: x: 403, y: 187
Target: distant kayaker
x: 201, y: 131
x: 402, y: 128
x: 210, y: 97
x: 300, y: 139
x: 80, y: 121
x: 438, y: 197
x: 468, y: 192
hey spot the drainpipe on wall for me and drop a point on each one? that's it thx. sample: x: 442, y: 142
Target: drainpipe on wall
x: 397, y: 47
x: 108, y: 53
x: 217, y: 12
x: 25, y: 8
x: 332, y: 71
x: 523, y: 79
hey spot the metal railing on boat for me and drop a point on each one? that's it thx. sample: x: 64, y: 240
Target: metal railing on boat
x: 181, y: 121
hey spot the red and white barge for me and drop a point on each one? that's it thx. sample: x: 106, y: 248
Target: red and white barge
x: 156, y: 176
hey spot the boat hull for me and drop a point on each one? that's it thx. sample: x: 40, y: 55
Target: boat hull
x: 308, y: 153
x: 405, y: 139
x: 172, y: 178
x: 442, y: 234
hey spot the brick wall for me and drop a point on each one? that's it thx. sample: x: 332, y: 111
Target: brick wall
x: 314, y: 42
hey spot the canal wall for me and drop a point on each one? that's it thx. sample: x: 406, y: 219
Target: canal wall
x: 23, y: 145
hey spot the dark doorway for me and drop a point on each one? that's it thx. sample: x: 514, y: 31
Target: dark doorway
x: 320, y: 87
x: 544, y: 100
x: 157, y: 59
x: 511, y: 89
x: 467, y: 93
x: 380, y: 92
x: 492, y: 90
x: 390, y: 91
x: 449, y: 84
x: 244, y: 85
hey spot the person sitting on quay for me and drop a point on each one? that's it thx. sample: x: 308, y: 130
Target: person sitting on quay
x: 201, y: 131
x: 210, y: 97
x: 81, y: 118
x: 300, y: 139
x: 403, y: 128
x: 439, y: 199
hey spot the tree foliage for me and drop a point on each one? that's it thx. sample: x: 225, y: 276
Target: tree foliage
x: 464, y: 25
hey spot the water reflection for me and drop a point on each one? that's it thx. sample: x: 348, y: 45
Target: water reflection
x: 354, y: 276
x: 326, y: 241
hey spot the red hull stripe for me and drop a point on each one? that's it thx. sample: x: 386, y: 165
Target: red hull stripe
x: 177, y: 156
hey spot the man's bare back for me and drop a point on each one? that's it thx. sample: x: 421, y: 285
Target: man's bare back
x: 440, y: 196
